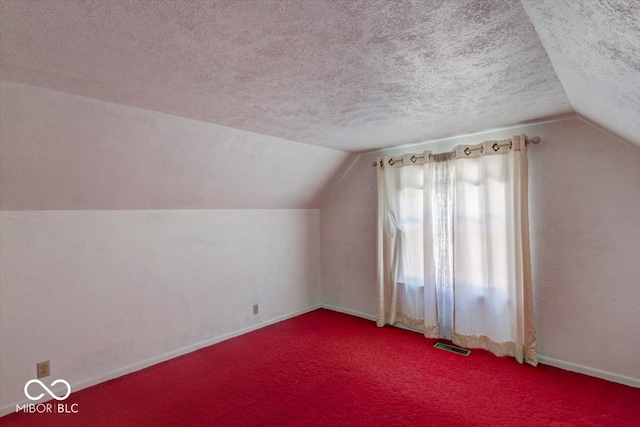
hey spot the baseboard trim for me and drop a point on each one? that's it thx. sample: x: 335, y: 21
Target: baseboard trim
x: 348, y: 311
x: 567, y: 366
x: 7, y: 409
x: 592, y: 372
x: 366, y: 316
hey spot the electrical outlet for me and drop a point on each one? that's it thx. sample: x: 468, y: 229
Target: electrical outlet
x: 255, y: 309
x: 43, y: 369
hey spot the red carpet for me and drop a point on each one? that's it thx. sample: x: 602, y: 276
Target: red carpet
x: 330, y: 369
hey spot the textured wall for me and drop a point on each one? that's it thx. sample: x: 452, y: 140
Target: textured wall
x: 352, y: 75
x: 585, y: 236
x: 103, y: 292
x: 60, y: 151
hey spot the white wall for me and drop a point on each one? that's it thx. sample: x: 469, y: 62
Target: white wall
x: 103, y: 270
x: 585, y: 236
x: 102, y: 293
x: 101, y: 288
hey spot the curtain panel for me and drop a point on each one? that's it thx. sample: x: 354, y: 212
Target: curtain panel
x: 453, y: 246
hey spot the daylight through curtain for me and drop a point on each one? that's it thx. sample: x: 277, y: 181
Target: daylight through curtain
x: 453, y: 246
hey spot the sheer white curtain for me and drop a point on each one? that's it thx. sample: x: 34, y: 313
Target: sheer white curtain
x: 453, y: 246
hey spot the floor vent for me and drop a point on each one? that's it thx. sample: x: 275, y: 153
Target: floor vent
x: 453, y: 349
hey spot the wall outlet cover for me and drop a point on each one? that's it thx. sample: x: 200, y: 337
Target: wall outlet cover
x: 43, y: 369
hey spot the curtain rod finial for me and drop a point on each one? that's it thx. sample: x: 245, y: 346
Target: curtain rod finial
x: 374, y: 163
x: 535, y: 140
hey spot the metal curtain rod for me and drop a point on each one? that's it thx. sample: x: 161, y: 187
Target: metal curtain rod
x: 496, y: 147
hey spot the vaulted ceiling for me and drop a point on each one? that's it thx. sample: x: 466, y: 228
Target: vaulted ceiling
x: 594, y: 46
x: 352, y: 75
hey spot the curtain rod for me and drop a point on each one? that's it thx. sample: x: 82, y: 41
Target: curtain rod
x: 534, y: 140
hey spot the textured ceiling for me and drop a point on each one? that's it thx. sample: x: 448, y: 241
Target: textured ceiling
x: 353, y: 75
x: 595, y: 50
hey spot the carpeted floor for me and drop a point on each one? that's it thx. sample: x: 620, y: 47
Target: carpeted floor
x: 330, y: 369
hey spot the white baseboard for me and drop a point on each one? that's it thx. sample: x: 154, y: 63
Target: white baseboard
x: 7, y: 409
x: 567, y: 366
x: 348, y: 311
x: 592, y: 372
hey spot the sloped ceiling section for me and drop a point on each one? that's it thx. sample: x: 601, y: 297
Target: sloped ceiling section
x: 351, y: 75
x: 595, y: 49
x: 67, y: 152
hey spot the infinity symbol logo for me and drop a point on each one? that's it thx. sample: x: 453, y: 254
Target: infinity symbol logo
x: 26, y: 392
